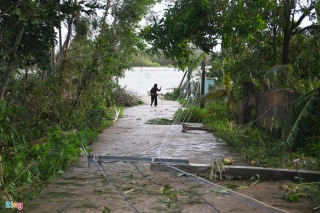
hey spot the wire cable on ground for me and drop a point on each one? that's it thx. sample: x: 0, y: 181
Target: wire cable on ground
x: 186, y: 115
x: 144, y: 131
x: 197, y: 178
x: 167, y: 131
x: 159, y: 151
x: 210, y: 183
x: 179, y: 178
x: 105, y: 174
x: 242, y: 194
x: 142, y: 188
x: 171, y: 140
x: 204, y: 200
x: 151, y: 181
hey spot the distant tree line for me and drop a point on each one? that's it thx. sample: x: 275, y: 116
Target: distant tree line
x: 145, y: 60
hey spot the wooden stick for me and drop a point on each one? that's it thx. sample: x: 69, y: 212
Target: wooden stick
x: 18, y: 176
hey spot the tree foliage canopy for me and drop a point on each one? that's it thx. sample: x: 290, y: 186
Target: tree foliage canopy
x: 49, y: 95
x: 257, y: 38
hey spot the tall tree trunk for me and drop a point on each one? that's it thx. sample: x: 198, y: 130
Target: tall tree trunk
x: 185, y: 73
x: 53, y: 60
x: 10, y: 62
x: 63, y: 53
x: 203, y: 78
x: 60, y: 38
x: 274, y: 44
x: 103, y: 20
x: 287, y: 31
x: 86, y: 82
x: 285, y: 47
x: 188, y: 80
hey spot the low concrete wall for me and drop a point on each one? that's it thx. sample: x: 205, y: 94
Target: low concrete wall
x: 244, y: 171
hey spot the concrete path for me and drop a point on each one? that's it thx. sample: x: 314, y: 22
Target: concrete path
x: 133, y: 187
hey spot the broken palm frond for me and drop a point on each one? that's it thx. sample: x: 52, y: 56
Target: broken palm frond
x: 253, y: 181
x: 160, y: 121
x: 215, y: 171
x: 307, y: 106
x: 231, y: 186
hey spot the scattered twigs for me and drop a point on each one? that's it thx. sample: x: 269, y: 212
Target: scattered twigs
x: 253, y: 181
x: 126, y: 98
x: 5, y: 190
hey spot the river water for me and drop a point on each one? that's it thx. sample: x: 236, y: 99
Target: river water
x: 141, y: 79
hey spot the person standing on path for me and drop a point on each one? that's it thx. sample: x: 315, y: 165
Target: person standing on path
x: 154, y: 94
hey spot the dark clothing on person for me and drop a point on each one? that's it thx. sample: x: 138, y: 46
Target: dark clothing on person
x: 154, y: 95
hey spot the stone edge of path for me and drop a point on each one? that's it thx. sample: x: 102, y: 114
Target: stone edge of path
x: 244, y: 171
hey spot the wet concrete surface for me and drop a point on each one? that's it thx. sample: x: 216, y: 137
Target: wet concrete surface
x: 133, y: 187
x: 131, y: 136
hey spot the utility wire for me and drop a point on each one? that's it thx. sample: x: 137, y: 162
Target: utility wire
x: 142, y: 188
x: 159, y: 151
x: 167, y: 130
x: 193, y: 101
x: 210, y: 183
x: 145, y: 131
x: 105, y: 174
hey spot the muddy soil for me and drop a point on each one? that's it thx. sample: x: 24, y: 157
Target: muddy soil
x: 133, y: 187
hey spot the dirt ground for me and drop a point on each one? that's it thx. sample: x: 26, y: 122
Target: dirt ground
x: 133, y: 187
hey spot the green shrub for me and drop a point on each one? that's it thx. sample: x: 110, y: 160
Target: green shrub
x: 255, y: 145
x: 192, y: 114
x: 174, y: 95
